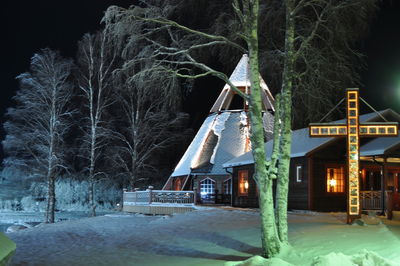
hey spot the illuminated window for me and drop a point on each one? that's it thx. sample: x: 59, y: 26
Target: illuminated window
x: 228, y: 186
x: 334, y: 180
x: 299, y: 173
x: 243, y: 182
x: 207, y: 186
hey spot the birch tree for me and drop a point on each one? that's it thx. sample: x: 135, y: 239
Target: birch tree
x: 95, y: 60
x: 147, y: 125
x: 37, y: 126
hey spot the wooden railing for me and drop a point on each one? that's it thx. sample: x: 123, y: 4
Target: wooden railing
x: 158, y: 197
x: 371, y: 200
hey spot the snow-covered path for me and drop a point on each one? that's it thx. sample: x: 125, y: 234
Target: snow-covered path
x: 209, y: 236
x: 205, y: 237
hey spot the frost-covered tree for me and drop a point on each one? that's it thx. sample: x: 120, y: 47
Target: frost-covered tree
x: 37, y: 125
x: 95, y: 61
x: 330, y: 60
x: 147, y: 124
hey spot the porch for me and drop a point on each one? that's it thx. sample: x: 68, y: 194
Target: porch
x: 158, y: 202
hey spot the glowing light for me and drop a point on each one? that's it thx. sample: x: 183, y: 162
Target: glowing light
x: 246, y: 185
x: 332, y: 182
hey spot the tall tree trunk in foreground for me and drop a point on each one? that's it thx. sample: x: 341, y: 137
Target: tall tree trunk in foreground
x: 269, y: 237
x: 286, y: 137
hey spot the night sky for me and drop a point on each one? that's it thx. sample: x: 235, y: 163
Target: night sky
x: 29, y: 26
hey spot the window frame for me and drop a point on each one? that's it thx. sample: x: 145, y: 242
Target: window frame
x: 299, y: 173
x: 210, y: 185
x: 343, y: 178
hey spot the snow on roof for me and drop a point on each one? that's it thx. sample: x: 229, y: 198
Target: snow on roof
x: 379, y: 146
x: 241, y: 78
x: 230, y: 144
x: 193, y: 151
x: 240, y: 75
x: 221, y: 138
x: 302, y: 144
x: 218, y: 127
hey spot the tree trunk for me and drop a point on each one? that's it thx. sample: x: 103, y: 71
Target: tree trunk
x: 285, y: 142
x: 92, y: 205
x: 51, y: 200
x: 269, y: 237
x: 132, y: 180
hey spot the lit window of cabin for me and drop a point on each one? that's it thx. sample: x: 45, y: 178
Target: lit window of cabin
x: 334, y: 180
x: 243, y: 182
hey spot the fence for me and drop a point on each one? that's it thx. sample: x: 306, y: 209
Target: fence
x: 159, y: 197
x: 371, y: 200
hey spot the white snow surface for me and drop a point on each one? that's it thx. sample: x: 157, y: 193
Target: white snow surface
x: 218, y: 127
x: 207, y: 236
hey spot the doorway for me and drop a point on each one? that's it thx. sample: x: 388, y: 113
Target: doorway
x: 207, y: 190
x: 393, y: 184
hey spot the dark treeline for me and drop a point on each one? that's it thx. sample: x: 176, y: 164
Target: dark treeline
x: 115, y: 113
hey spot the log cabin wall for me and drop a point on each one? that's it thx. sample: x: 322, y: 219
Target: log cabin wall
x: 298, y: 189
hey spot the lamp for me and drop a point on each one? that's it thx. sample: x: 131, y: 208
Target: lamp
x: 332, y: 182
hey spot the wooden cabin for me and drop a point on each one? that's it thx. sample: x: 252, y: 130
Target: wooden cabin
x: 318, y: 171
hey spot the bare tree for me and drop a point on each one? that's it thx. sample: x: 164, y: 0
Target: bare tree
x: 95, y: 60
x: 37, y: 125
x: 147, y: 125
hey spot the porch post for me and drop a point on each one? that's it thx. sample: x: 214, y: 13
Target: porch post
x: 383, y: 184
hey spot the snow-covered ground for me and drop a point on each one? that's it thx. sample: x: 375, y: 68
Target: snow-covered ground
x: 29, y: 219
x: 207, y: 236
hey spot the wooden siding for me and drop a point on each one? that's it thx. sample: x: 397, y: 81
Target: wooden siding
x: 298, y: 191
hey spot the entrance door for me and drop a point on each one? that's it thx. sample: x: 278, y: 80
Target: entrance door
x: 207, y: 190
x: 393, y: 184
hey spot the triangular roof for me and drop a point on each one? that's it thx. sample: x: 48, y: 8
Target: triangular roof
x: 223, y: 135
x: 241, y: 79
x: 303, y: 145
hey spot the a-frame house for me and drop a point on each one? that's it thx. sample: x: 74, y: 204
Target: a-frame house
x: 223, y: 136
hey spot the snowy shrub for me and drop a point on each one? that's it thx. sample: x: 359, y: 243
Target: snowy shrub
x: 71, y: 195
x: 363, y: 258
x: 10, y: 205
